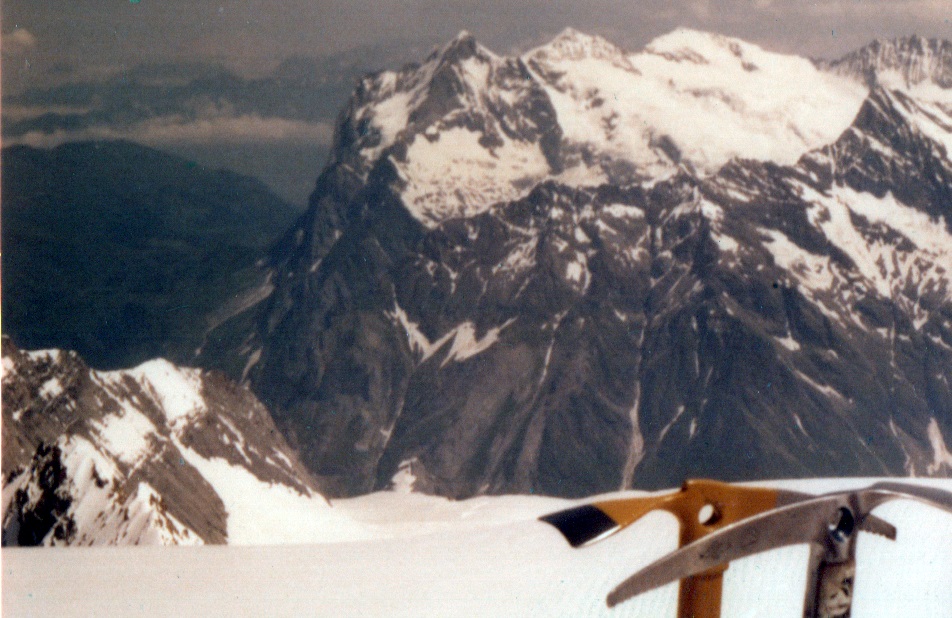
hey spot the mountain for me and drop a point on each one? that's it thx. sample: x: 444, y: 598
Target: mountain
x: 157, y: 454
x: 122, y: 252
x: 905, y: 62
x: 583, y: 269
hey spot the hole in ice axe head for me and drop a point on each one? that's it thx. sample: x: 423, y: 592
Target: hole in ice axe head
x: 843, y: 525
x: 708, y: 515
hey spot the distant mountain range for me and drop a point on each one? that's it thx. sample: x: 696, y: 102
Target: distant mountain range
x: 124, y: 253
x: 276, y: 127
x: 583, y: 269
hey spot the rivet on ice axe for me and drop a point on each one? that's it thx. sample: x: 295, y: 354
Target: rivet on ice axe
x: 829, y: 523
x: 702, y: 507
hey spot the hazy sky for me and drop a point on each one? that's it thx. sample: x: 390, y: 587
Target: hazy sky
x: 255, y: 34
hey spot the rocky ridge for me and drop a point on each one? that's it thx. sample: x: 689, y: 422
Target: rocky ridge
x: 152, y: 455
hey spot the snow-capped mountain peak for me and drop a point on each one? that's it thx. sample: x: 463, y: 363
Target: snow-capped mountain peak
x: 397, y: 102
x: 468, y: 129
x: 573, y: 45
x: 464, y: 45
x: 464, y: 130
x: 699, y: 47
x: 901, y: 63
x: 692, y: 98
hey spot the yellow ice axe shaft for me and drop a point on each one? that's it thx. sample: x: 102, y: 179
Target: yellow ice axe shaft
x: 701, y: 507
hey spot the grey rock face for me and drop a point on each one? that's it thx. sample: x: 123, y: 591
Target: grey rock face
x: 765, y: 321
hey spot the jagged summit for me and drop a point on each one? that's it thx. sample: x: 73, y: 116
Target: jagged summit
x: 464, y: 130
x: 571, y: 44
x: 903, y: 62
x: 461, y: 47
x: 463, y: 36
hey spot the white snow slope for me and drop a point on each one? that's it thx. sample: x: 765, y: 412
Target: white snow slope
x: 712, y: 97
x: 482, y: 557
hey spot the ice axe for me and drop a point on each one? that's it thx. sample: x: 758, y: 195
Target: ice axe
x: 702, y: 507
x: 829, y: 523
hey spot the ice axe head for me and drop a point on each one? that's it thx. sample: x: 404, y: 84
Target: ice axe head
x: 828, y: 523
x: 701, y: 508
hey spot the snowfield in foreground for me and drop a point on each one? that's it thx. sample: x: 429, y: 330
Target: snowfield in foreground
x: 480, y: 557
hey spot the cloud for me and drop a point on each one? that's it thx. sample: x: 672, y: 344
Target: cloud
x: 234, y: 129
x: 14, y: 112
x: 166, y: 131
x: 18, y: 42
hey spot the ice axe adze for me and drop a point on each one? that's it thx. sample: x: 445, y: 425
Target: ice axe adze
x: 829, y: 523
x: 702, y: 507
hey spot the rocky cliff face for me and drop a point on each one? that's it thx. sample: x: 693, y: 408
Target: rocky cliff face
x: 150, y: 455
x: 581, y: 270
